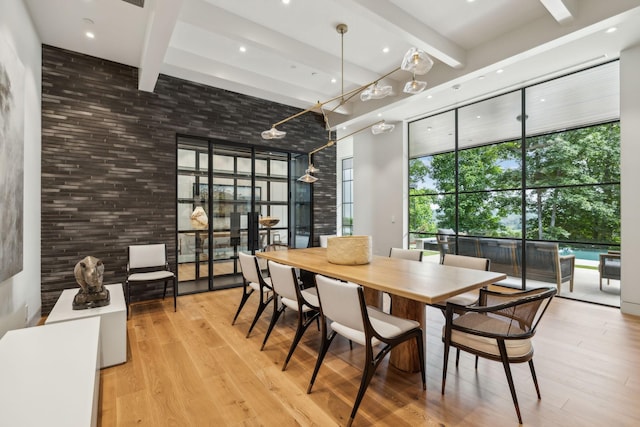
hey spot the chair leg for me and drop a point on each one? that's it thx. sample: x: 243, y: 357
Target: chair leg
x: 445, y: 361
x: 477, y: 358
x: 245, y: 297
x: 274, y: 318
x: 367, y: 375
x: 261, y: 308
x: 457, y: 356
x: 535, y: 379
x: 507, y: 371
x: 420, y: 345
x: 324, y: 346
x: 302, y: 328
x: 175, y: 294
x: 164, y: 292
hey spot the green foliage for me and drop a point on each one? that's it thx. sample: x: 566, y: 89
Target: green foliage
x: 572, y: 182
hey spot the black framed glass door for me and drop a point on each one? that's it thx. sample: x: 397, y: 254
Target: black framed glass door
x: 234, y: 198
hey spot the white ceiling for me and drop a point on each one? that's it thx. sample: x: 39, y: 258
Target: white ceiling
x: 293, y: 50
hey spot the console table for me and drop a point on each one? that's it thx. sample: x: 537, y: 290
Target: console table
x: 113, y: 328
x: 49, y: 375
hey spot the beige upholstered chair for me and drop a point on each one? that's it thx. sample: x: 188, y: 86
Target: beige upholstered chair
x: 344, y: 304
x: 148, y: 264
x: 253, y: 282
x: 410, y: 254
x: 500, y: 328
x: 463, y: 261
x: 304, y: 301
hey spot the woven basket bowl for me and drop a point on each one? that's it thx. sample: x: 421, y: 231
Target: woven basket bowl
x: 349, y: 250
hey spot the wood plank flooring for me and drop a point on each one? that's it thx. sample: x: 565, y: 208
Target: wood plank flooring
x: 193, y: 368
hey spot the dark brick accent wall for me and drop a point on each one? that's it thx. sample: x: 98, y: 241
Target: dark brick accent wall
x: 109, y: 159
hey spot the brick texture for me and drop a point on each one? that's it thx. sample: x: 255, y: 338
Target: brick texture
x: 109, y: 159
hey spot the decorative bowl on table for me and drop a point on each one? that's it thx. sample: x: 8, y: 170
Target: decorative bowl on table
x: 349, y: 250
x: 268, y: 221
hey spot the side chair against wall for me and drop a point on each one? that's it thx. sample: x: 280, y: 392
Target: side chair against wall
x: 305, y: 301
x: 324, y: 238
x: 253, y: 281
x: 344, y: 304
x: 148, y: 264
x: 500, y: 328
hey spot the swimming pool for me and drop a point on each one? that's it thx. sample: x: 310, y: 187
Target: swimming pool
x: 590, y: 254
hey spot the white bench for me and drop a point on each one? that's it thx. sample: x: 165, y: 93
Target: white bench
x: 50, y: 375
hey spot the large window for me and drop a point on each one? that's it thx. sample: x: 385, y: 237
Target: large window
x: 347, y: 196
x: 540, y: 164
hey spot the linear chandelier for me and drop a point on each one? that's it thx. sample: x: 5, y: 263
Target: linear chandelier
x: 415, y: 61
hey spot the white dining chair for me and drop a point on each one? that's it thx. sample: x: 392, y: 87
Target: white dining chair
x: 304, y: 301
x: 253, y: 281
x: 344, y: 304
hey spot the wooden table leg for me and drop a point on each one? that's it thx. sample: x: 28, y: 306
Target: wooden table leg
x: 372, y: 297
x: 405, y: 355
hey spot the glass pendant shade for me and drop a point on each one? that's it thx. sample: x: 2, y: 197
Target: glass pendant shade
x: 273, y: 133
x: 309, y: 179
x: 382, y: 128
x: 376, y: 91
x: 414, y: 86
x: 416, y: 61
x: 199, y: 219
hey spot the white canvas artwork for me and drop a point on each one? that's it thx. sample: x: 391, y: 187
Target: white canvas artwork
x: 11, y: 161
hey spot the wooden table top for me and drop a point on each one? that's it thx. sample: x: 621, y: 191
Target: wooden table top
x: 420, y: 281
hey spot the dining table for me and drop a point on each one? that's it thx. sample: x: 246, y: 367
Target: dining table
x: 411, y: 284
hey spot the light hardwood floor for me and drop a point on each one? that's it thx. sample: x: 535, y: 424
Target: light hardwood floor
x: 192, y: 368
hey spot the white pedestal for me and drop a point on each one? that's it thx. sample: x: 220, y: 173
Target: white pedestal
x: 113, y: 325
x: 49, y: 375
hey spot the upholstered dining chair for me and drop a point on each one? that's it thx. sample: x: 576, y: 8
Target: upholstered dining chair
x: 324, y: 238
x: 304, y: 301
x: 344, y: 304
x: 148, y: 264
x: 253, y: 281
x: 500, y: 328
x: 464, y: 261
x: 410, y: 254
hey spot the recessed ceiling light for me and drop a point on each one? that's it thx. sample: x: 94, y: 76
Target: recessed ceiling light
x: 243, y: 49
x: 429, y: 96
x: 542, y: 100
x: 385, y: 49
x: 87, y: 21
x: 611, y: 30
x: 477, y: 117
x: 455, y: 87
x: 429, y: 129
x: 285, y: 1
x: 481, y: 78
x: 379, y: 114
x: 90, y: 35
x: 500, y: 71
x: 333, y: 80
x: 344, y: 128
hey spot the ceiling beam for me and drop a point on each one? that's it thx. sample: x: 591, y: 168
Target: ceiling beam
x: 414, y: 31
x: 159, y: 29
x: 562, y: 11
x: 217, y: 20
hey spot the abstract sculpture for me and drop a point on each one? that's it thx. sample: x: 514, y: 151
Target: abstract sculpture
x: 92, y: 293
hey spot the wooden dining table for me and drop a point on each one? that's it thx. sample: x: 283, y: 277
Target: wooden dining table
x: 412, y: 285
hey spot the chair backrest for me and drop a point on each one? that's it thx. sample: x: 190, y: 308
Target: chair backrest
x: 146, y: 256
x: 410, y: 254
x: 324, y: 238
x: 525, y: 307
x: 340, y: 302
x: 249, y: 266
x: 283, y: 280
x: 464, y: 261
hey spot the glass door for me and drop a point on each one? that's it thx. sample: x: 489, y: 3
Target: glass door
x: 249, y: 201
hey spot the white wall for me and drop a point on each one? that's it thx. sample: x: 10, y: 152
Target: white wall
x: 630, y: 177
x: 23, y: 289
x: 379, y: 188
x: 344, y: 150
